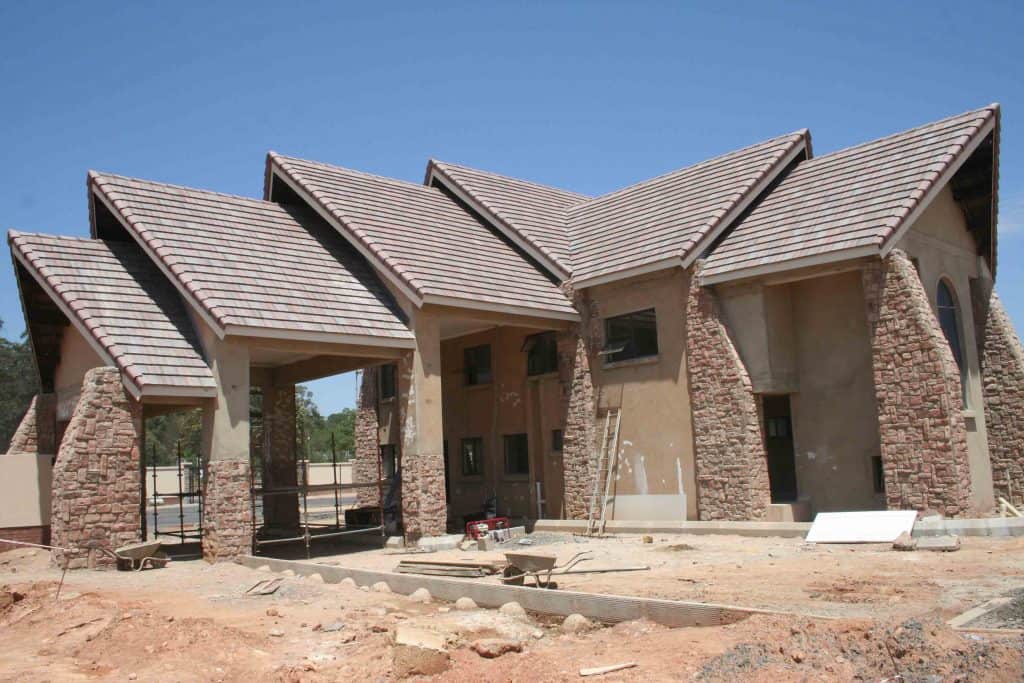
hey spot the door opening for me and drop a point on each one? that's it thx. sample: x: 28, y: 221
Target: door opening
x: 778, y: 441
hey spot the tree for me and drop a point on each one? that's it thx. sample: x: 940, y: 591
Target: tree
x: 313, y: 433
x: 164, y: 432
x: 20, y: 383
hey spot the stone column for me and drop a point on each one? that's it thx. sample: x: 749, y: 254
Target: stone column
x: 367, y: 439
x: 1002, y: 376
x: 37, y: 431
x: 579, y: 405
x: 917, y: 387
x: 422, y: 465
x: 97, y: 483
x: 729, y: 454
x: 227, y: 502
x: 280, y: 464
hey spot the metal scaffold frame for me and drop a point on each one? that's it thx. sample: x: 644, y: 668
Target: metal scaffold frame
x: 194, y: 491
x: 313, y: 531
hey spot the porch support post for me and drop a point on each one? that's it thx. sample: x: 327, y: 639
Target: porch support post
x: 37, y: 431
x: 367, y: 439
x: 97, y: 483
x: 280, y: 461
x: 227, y: 501
x: 917, y: 388
x: 424, y: 510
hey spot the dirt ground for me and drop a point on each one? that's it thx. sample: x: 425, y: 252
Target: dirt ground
x: 852, y: 613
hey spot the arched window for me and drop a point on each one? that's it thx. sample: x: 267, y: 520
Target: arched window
x: 949, y: 320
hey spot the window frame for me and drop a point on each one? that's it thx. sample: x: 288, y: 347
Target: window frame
x: 557, y: 440
x: 477, y: 441
x: 541, y: 342
x: 389, y: 452
x: 615, y: 347
x: 522, y: 440
x: 958, y: 349
x: 471, y: 371
x: 392, y: 370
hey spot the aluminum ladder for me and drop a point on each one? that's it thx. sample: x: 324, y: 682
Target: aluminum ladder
x: 607, y: 459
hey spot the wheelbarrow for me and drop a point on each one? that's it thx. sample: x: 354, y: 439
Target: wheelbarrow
x: 138, y: 556
x: 538, y: 567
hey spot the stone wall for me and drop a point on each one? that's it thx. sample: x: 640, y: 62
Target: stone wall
x: 227, y: 510
x: 424, y: 511
x: 36, y: 432
x: 1002, y: 373
x: 917, y: 387
x: 279, y: 461
x: 97, y: 478
x: 576, y: 348
x: 729, y: 455
x: 367, y: 439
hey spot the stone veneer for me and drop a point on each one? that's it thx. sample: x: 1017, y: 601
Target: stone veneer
x: 1002, y: 372
x: 97, y: 481
x: 36, y: 432
x: 367, y: 440
x: 227, y: 510
x: 424, y: 511
x: 917, y: 387
x: 729, y: 455
x: 280, y: 511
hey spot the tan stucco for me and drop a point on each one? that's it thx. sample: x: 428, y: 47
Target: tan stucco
x: 76, y: 358
x: 225, y: 417
x: 25, y: 489
x: 656, y: 438
x: 942, y: 248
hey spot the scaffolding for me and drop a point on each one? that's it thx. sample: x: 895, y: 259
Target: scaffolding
x: 308, y: 531
x: 193, y: 490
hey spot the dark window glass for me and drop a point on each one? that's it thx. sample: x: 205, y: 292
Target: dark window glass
x: 541, y: 353
x: 556, y: 440
x: 472, y: 457
x: 389, y: 463
x: 517, y: 454
x: 949, y: 320
x: 878, y: 474
x: 478, y: 364
x: 634, y: 335
x: 387, y: 381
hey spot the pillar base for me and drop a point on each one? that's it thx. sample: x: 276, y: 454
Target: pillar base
x: 423, y: 501
x: 227, y: 510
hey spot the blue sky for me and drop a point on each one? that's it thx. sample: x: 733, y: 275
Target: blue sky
x: 588, y: 96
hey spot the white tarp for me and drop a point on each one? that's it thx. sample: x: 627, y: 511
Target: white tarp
x: 873, y: 526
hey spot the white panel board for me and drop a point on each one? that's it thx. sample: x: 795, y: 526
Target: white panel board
x: 652, y: 507
x: 873, y: 526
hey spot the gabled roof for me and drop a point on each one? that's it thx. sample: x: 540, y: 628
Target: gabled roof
x: 667, y: 221
x: 429, y: 246
x: 123, y: 306
x: 531, y: 214
x: 850, y: 203
x: 254, y: 267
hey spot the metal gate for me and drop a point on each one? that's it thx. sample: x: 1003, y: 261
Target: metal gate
x: 189, y: 501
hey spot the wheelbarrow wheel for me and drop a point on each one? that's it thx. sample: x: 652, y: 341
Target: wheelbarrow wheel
x: 513, y: 575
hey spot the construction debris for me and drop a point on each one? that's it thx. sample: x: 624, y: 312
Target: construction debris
x: 946, y: 544
x: 265, y: 587
x: 600, y: 670
x: 455, y: 569
x: 905, y: 542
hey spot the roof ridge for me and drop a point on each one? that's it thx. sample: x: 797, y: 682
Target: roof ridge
x: 797, y: 134
x: 365, y: 174
x: 984, y: 112
x: 96, y: 175
x: 437, y: 162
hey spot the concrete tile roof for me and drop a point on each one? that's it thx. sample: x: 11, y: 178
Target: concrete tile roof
x: 537, y: 213
x: 120, y: 301
x: 432, y: 248
x: 255, y: 267
x: 846, y: 202
x: 663, y: 220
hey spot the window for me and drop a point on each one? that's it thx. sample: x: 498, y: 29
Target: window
x: 387, y: 381
x: 388, y: 461
x: 517, y: 454
x: 634, y: 335
x: 541, y: 353
x: 949, y: 321
x: 478, y: 364
x: 472, y: 457
x: 556, y: 440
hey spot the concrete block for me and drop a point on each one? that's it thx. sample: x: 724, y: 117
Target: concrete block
x: 446, y: 542
x: 419, y: 652
x: 940, y: 543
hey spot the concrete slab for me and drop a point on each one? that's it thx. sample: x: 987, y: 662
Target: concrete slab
x: 994, y: 526
x: 940, y: 543
x: 760, y: 529
x: 446, y: 542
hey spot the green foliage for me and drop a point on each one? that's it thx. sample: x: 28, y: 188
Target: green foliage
x: 20, y: 383
x: 314, y: 431
x: 163, y: 433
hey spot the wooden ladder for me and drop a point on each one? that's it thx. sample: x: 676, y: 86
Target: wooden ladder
x: 607, y: 459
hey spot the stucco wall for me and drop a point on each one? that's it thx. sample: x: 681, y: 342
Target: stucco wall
x: 656, y: 437
x: 835, y: 422
x: 25, y: 490
x: 941, y: 248
x: 76, y: 358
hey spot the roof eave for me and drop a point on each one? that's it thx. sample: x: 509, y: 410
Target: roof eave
x: 753, y: 272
